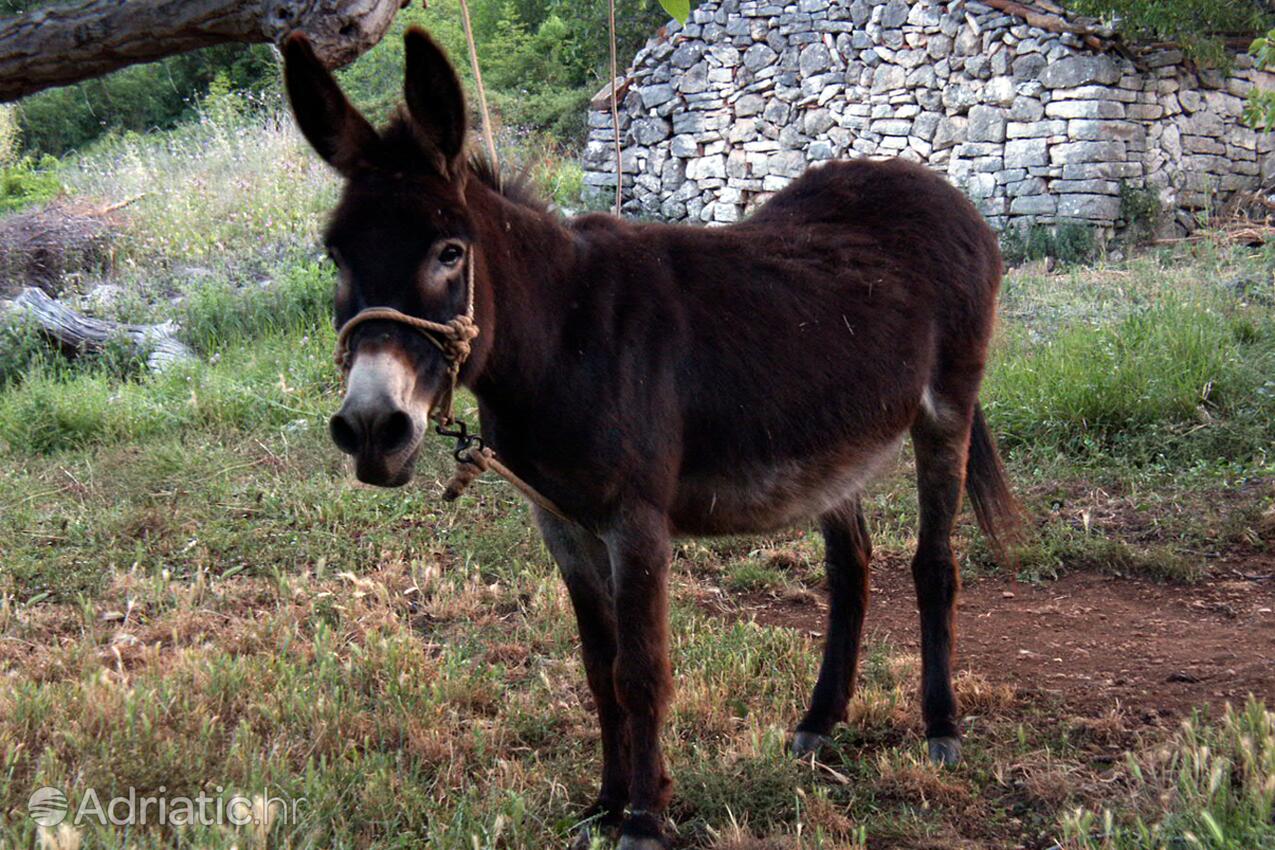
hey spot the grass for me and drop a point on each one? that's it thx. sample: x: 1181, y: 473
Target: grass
x: 195, y: 597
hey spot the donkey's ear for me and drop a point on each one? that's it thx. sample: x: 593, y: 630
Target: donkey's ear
x: 330, y: 124
x: 434, y: 97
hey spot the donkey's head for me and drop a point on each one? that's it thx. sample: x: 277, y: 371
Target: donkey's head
x: 401, y: 237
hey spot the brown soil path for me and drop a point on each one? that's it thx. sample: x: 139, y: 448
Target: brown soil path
x: 1096, y: 642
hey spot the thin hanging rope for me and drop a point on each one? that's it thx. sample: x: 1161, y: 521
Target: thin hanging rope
x: 478, y: 83
x: 615, y: 115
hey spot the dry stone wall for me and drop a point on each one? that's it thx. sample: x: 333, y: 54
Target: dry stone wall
x: 1034, y: 126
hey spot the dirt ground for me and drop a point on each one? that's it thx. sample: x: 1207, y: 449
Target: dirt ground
x: 1093, y: 642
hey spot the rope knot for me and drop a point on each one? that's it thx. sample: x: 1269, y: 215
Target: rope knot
x: 461, y: 332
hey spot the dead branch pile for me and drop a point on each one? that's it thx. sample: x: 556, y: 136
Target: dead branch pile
x: 41, y: 246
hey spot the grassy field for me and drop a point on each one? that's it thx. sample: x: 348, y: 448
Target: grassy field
x: 196, y: 598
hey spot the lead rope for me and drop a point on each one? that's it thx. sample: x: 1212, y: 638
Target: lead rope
x: 454, y: 339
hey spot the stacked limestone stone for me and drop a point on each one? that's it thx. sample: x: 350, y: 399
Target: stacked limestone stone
x: 1031, y: 124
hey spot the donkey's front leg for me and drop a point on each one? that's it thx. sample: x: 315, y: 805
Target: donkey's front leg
x: 586, y: 568
x: 640, y: 552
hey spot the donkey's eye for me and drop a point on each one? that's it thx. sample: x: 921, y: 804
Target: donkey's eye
x: 451, y: 255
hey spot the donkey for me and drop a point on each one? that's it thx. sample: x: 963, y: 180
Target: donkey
x: 658, y: 380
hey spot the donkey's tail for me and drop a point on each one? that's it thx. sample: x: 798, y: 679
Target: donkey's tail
x: 995, y: 507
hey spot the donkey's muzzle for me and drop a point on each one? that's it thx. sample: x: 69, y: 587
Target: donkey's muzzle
x: 382, y: 439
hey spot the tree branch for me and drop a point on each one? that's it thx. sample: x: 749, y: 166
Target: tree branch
x: 64, y: 44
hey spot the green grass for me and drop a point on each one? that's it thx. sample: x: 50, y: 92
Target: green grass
x: 194, y: 594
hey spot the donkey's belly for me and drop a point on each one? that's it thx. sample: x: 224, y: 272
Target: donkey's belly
x: 768, y: 497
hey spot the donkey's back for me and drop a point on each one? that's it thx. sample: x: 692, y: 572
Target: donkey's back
x: 804, y: 342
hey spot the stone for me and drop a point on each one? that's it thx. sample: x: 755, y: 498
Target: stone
x: 925, y: 124
x: 653, y: 96
x: 1028, y: 67
x: 749, y: 104
x: 950, y: 132
x: 706, y: 167
x: 892, y: 126
x: 999, y: 91
x: 1084, y: 109
x: 814, y: 59
x: 895, y: 14
x: 818, y: 121
x: 888, y: 78
x: 684, y: 145
x: 648, y: 131
x: 820, y: 150
x: 1078, y: 70
x: 759, y: 56
x: 777, y: 112
x: 957, y: 98
x: 1084, y: 129
x: 1033, y: 205
x: 986, y: 124
x: 1026, y: 109
x: 1092, y: 207
x: 1072, y: 152
x: 686, y: 54
x: 1022, y: 153
x: 939, y: 46
x: 695, y: 80
x: 786, y: 164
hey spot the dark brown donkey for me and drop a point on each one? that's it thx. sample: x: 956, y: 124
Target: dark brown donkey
x: 656, y: 380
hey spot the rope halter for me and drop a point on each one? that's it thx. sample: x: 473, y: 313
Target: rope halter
x: 453, y: 338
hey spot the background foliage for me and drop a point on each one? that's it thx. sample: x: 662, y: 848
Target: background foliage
x: 541, y: 60
x: 1199, y: 26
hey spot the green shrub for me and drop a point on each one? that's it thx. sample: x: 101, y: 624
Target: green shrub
x: 139, y: 98
x: 1142, y: 212
x: 28, y: 181
x: 1259, y: 110
x: 1068, y: 242
x: 1198, y: 25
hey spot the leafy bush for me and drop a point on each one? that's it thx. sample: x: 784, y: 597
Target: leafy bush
x: 1142, y: 212
x: 1259, y: 111
x: 541, y: 59
x: 1197, y: 25
x: 140, y: 98
x: 1069, y: 242
x: 28, y: 181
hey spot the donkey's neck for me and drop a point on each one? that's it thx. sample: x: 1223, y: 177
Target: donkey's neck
x: 526, y: 256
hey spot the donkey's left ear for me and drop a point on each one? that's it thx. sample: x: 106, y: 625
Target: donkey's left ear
x: 434, y: 97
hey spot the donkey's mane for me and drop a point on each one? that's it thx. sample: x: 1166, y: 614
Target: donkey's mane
x: 400, y: 150
x: 516, y: 188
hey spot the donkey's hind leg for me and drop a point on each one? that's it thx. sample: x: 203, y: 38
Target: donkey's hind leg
x: 847, y: 551
x: 940, y: 437
x: 586, y: 568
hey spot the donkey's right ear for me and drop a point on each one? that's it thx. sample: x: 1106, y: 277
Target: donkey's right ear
x: 329, y: 123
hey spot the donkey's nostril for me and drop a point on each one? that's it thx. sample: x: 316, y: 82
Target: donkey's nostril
x: 393, y: 432
x: 347, y: 437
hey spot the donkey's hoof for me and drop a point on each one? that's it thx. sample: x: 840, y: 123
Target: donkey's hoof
x: 642, y: 831
x: 640, y: 842
x: 807, y: 743
x: 945, y: 751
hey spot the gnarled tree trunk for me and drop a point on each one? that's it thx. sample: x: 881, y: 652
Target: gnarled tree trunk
x: 64, y: 44
x: 76, y: 333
